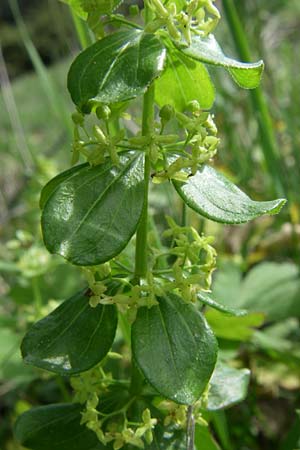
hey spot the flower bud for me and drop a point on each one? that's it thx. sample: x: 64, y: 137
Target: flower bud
x: 103, y: 112
x: 77, y: 118
x: 134, y: 10
x: 194, y: 106
x: 166, y: 113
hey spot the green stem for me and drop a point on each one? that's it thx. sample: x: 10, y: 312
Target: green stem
x: 125, y: 328
x: 119, y: 411
x: 83, y: 33
x: 190, y: 433
x: 269, y: 145
x: 141, y: 260
x: 120, y: 19
x: 184, y: 213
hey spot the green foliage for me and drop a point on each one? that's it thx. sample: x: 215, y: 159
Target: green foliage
x: 182, y: 81
x: 227, y: 387
x: 208, y: 300
x: 83, y: 8
x: 91, y: 212
x: 117, y: 68
x: 77, y: 7
x: 175, y: 334
x: 102, y: 207
x: 208, y: 50
x: 234, y: 328
x: 100, y: 6
x: 73, y: 338
x: 270, y: 288
x: 212, y: 195
x: 55, y: 427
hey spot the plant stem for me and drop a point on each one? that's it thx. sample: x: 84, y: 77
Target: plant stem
x: 141, y: 236
x: 190, y: 435
x: 120, y: 19
x: 141, y: 256
x: 184, y: 212
x: 83, y: 33
x: 260, y: 107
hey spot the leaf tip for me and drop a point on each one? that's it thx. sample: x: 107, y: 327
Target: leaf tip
x: 278, y: 205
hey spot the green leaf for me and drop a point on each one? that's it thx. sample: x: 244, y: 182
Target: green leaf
x: 77, y: 8
x: 228, y: 386
x: 90, y: 213
x: 204, y: 439
x: 273, y: 289
x: 207, y: 299
x: 174, y: 348
x: 270, y: 288
x: 73, y: 338
x: 292, y: 440
x: 12, y: 370
x: 221, y: 429
x: 119, y: 67
x: 182, y: 81
x: 212, y: 195
x: 234, y: 328
x: 246, y: 75
x: 285, y: 351
x: 227, y: 283
x: 99, y: 6
x: 55, y: 427
x: 51, y: 186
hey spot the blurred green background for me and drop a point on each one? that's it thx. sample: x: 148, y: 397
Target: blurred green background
x: 258, y: 262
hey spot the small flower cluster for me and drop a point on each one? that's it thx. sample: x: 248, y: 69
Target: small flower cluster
x: 189, y: 276
x: 118, y: 433
x: 116, y: 427
x: 107, y: 426
x: 198, y: 16
x: 177, y: 414
x: 101, y: 144
x: 127, y: 302
x: 190, y: 273
x: 199, y: 147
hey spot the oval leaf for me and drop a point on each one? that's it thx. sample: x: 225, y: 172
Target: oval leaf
x: 228, y: 386
x: 50, y: 187
x: 234, y: 328
x: 207, y: 299
x: 73, y: 338
x: 92, y: 212
x: 246, y: 75
x: 174, y: 348
x: 212, y: 195
x: 273, y: 289
x: 55, y: 427
x: 184, y: 80
x: 119, y: 67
